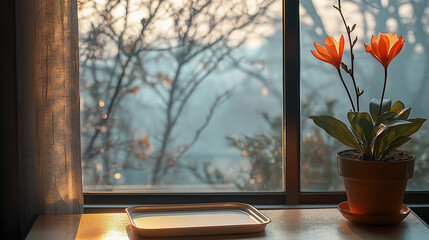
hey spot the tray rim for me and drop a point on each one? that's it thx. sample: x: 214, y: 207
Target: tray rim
x: 261, y: 220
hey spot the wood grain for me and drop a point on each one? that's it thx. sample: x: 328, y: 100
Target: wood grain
x: 293, y: 224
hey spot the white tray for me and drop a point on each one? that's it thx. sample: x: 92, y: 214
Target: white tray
x: 196, y: 219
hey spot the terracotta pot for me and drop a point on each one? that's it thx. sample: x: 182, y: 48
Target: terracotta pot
x: 375, y: 188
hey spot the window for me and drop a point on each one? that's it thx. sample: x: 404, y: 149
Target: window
x: 181, y: 96
x: 183, y: 99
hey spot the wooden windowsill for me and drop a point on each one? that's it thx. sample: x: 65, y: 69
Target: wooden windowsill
x: 285, y: 224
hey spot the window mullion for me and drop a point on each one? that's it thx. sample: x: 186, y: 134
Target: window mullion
x: 291, y: 100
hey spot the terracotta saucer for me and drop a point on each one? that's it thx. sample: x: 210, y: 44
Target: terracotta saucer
x: 372, y: 219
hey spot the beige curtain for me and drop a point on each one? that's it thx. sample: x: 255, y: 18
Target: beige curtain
x: 48, y: 108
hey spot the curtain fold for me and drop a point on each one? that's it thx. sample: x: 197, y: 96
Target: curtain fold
x: 48, y: 108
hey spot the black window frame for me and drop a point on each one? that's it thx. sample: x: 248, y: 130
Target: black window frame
x: 292, y: 194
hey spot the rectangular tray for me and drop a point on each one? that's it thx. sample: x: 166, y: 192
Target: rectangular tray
x: 196, y: 219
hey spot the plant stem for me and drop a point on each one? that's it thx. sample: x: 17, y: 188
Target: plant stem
x: 347, y: 90
x: 351, y: 73
x: 384, y: 88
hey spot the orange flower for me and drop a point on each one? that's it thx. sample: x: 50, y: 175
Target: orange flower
x: 332, y: 52
x: 385, y: 47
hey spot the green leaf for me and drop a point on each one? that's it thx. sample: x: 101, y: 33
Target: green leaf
x: 385, y: 117
x: 382, y: 131
x: 374, y: 106
x: 351, y: 116
x: 336, y: 129
x: 404, y: 113
x: 366, y: 126
x: 361, y: 126
x: 388, y: 126
x: 397, y: 107
x: 394, y: 145
x: 396, y: 131
x: 357, y: 131
x: 404, y: 130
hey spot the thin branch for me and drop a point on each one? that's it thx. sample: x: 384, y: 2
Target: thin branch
x: 351, y: 70
x: 256, y: 75
x: 219, y: 100
x: 111, y: 104
x: 347, y: 90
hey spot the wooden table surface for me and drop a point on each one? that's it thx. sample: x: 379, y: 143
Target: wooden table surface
x: 294, y: 224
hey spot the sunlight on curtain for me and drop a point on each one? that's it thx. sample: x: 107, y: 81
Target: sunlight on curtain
x: 48, y: 112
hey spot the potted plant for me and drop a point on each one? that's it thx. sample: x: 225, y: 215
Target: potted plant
x: 375, y: 172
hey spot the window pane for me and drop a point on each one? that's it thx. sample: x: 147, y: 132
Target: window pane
x: 181, y: 95
x: 323, y: 93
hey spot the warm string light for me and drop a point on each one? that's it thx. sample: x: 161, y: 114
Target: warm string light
x: 100, y: 103
x: 264, y: 91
